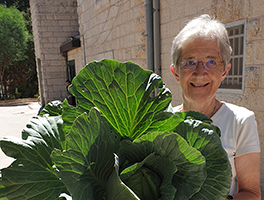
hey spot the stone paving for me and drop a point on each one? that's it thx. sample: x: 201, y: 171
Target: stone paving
x: 14, y: 115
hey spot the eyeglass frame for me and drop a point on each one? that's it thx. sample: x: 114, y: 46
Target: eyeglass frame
x: 197, y: 63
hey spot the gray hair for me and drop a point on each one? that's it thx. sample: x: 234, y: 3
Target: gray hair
x: 202, y: 27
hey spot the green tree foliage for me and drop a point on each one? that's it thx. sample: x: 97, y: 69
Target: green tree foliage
x: 13, y: 42
x: 30, y: 88
x: 21, y: 5
x: 20, y: 77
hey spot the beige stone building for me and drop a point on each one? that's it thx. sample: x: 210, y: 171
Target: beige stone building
x: 70, y: 33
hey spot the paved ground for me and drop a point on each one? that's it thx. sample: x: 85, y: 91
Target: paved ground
x: 13, y: 118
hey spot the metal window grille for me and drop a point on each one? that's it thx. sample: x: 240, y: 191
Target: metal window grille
x: 234, y: 78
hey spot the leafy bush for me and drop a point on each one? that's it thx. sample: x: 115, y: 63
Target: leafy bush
x: 120, y: 142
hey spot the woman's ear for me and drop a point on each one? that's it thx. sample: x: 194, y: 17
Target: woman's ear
x: 226, y: 71
x: 175, y: 73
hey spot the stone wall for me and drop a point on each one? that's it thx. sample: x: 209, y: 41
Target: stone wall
x: 175, y: 14
x: 113, y: 29
x: 53, y: 21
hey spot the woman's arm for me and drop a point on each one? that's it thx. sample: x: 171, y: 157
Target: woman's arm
x: 248, y: 176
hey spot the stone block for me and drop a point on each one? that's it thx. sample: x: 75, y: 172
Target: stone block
x: 64, y: 35
x: 70, y: 3
x: 260, y: 119
x: 64, y: 23
x: 252, y: 76
x: 262, y: 77
x: 54, y: 28
x: 166, y: 45
x: 127, y: 54
x: 165, y: 31
x: 49, y: 23
x: 113, y: 12
x: 45, y: 40
x: 52, y: 50
x: 103, y: 55
x: 48, y: 45
x: 59, y: 88
x: 109, y: 24
x: 255, y: 29
x: 165, y: 14
x: 69, y: 29
x: 129, y: 40
x: 51, y: 40
x: 168, y: 78
x: 50, y: 17
x: 101, y: 5
x: 62, y: 17
x: 166, y: 60
x: 54, y: 65
x: 257, y: 8
x: 126, y: 6
x: 257, y: 99
x: 203, y: 6
x: 53, y: 80
x: 249, y: 54
x: 139, y: 39
x: 258, y: 51
x: 51, y: 96
x: 230, y: 10
x: 51, y: 56
x: 176, y: 94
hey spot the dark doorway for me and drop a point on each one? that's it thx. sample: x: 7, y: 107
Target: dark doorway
x: 71, y: 73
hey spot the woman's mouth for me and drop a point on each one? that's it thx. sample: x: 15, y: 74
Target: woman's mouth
x: 199, y: 85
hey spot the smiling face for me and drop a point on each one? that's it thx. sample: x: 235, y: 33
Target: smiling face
x: 200, y: 85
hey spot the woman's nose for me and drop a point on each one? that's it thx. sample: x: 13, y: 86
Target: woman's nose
x: 200, y: 68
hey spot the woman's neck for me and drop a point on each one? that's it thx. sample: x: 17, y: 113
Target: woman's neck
x: 208, y: 108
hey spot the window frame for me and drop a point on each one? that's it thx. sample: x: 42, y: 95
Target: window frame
x: 232, y: 90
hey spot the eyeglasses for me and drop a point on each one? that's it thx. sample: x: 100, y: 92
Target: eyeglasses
x: 192, y: 64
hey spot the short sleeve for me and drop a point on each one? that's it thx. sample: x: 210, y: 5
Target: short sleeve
x: 247, y: 138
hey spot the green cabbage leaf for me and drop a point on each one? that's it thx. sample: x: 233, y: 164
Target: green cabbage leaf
x: 31, y: 175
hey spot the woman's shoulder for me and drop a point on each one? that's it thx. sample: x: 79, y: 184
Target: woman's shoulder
x: 238, y: 111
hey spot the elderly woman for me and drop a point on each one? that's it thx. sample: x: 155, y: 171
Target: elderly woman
x: 200, y: 56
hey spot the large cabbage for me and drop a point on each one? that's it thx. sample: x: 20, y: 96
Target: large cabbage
x: 118, y: 143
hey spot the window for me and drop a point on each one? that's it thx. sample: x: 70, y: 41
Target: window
x: 237, y: 37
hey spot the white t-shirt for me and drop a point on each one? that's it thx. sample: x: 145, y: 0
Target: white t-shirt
x: 239, y: 133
